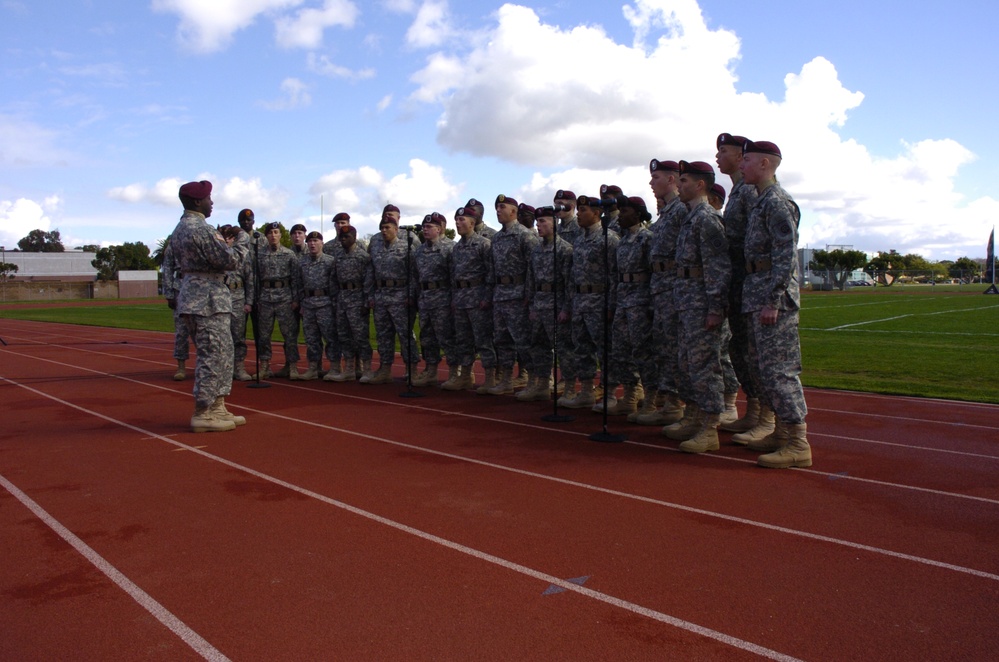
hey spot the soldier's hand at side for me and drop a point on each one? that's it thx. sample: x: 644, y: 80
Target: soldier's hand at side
x: 713, y: 321
x: 563, y: 317
x: 533, y: 316
x: 172, y: 303
x: 247, y: 308
x: 768, y: 316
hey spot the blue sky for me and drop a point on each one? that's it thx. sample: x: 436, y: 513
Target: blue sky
x: 297, y: 107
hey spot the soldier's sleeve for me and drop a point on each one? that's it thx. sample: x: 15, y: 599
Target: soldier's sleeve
x: 487, y: 260
x: 332, y: 283
x: 612, y: 242
x: 167, y: 269
x: 716, y: 264
x: 297, y: 288
x: 782, y: 225
x: 565, y: 276
x: 249, y: 282
x: 369, y: 280
x: 529, y: 280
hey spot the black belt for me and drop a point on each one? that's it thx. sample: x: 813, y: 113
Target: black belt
x: 637, y: 277
x: 465, y: 284
x: 351, y: 285
x: 510, y: 280
x: 663, y: 265
x: 752, y: 266
x: 234, y: 283
x: 433, y: 285
x: 391, y: 282
x: 317, y: 293
x: 689, y: 272
x: 589, y: 289
x: 273, y: 284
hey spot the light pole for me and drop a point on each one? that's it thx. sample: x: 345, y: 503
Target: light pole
x: 3, y: 250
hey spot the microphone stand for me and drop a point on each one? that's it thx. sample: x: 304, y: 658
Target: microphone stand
x: 409, y: 392
x: 604, y: 436
x: 254, y: 313
x: 555, y: 417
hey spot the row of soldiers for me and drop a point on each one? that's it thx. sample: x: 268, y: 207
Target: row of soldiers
x: 678, y: 312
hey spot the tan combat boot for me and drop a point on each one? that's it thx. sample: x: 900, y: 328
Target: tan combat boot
x: 181, y: 371
x: 524, y: 395
x: 731, y: 413
x: 686, y: 427
x: 772, y: 442
x: 648, y: 407
x: 748, y: 421
x: 311, y: 374
x: 335, y: 373
x: 627, y: 404
x: 522, y: 379
x: 366, y: 372
x: 584, y: 398
x: 219, y: 411
x: 428, y: 377
x: 706, y: 438
x: 505, y: 384
x: 453, y: 375
x: 383, y: 375
x: 797, y: 452
x: 204, y: 421
x: 240, y: 374
x: 764, y: 426
x: 488, y: 384
x: 568, y: 391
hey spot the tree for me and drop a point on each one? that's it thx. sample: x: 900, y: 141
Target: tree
x: 965, y: 267
x: 90, y: 248
x: 7, y: 271
x: 839, y: 264
x: 161, y: 247
x: 40, y: 241
x: 127, y: 257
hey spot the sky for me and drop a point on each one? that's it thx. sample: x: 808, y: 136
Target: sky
x: 299, y: 109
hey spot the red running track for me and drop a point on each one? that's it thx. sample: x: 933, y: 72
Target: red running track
x: 346, y: 522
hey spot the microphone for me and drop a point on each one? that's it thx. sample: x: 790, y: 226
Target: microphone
x: 557, y: 208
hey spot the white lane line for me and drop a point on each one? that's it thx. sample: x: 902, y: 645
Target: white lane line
x: 158, y: 611
x: 429, y: 537
x: 899, y: 317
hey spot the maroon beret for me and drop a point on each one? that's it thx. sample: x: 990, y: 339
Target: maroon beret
x: 524, y: 209
x: 719, y: 190
x: 613, y: 190
x: 541, y: 212
x: 656, y: 165
x: 314, y: 235
x: 562, y: 194
x: 244, y: 215
x: 387, y: 219
x: 436, y: 219
x: 502, y: 198
x: 761, y: 147
x: 696, y: 168
x: 729, y: 139
x: 297, y: 227
x: 196, y: 190
x: 585, y: 200
x: 342, y: 216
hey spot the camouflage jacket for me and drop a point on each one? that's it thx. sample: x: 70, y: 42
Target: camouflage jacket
x: 318, y: 274
x: 203, y: 256
x: 569, y: 230
x: 433, y: 267
x: 740, y: 202
x: 394, y: 283
x: 772, y: 247
x: 355, y: 281
x: 240, y: 280
x: 512, y: 248
x: 702, y: 257
x: 541, y: 275
x: 665, y: 231
x: 278, y: 266
x: 634, y: 268
x: 591, y: 275
x: 471, y: 272
x: 171, y: 273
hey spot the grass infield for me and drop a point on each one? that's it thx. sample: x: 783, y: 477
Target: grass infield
x: 929, y: 341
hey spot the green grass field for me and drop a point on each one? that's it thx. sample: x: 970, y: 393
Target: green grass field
x: 938, y: 342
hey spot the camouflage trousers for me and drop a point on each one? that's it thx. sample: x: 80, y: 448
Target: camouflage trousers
x: 319, y: 325
x: 699, y: 361
x: 181, y: 338
x: 631, y: 357
x: 213, y: 344
x: 543, y: 336
x: 738, y: 351
x: 237, y: 326
x: 473, y: 333
x: 436, y: 334
x: 353, y: 325
x: 589, y: 329
x: 777, y: 353
x: 511, y: 333
x: 392, y: 321
x: 287, y: 323
x: 728, y: 370
x: 664, y: 339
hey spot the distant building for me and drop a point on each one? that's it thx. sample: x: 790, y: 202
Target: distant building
x: 67, y: 267
x: 70, y: 275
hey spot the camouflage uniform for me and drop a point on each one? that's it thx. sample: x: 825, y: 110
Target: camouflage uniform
x: 204, y: 301
x: 484, y: 230
x: 772, y: 280
x: 569, y: 230
x: 433, y: 266
x: 662, y: 252
x: 632, y: 359
x: 334, y: 248
x: 740, y: 202
x: 317, y: 303
x: 278, y: 276
x: 171, y: 288
x: 241, y: 289
x: 511, y: 250
x: 701, y: 289
x: 591, y: 288
x: 393, y: 311
x: 542, y: 294
x: 355, y: 289
x: 471, y: 287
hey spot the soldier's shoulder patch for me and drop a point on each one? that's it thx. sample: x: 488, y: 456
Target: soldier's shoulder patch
x: 784, y: 229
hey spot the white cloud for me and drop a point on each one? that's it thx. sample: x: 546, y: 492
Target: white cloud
x: 365, y: 191
x: 26, y: 144
x: 210, y: 26
x: 305, y: 29
x: 21, y: 216
x: 322, y: 65
x: 432, y: 25
x: 234, y: 193
x: 588, y: 110
x: 296, y: 95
